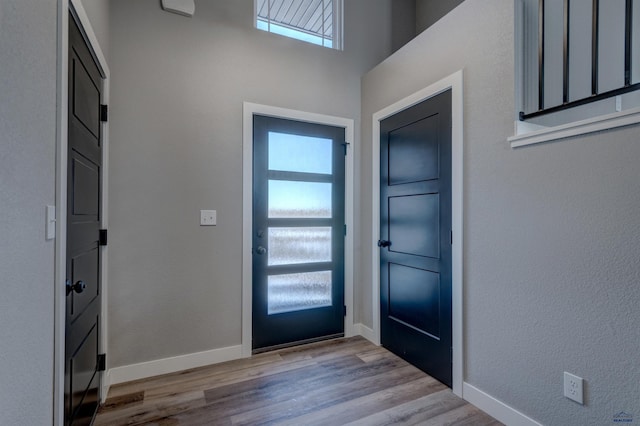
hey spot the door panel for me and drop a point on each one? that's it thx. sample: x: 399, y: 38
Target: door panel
x: 86, y: 186
x: 414, y: 298
x: 298, y: 232
x: 83, y: 302
x: 415, y: 230
x: 83, y: 367
x: 413, y: 157
x: 85, y: 96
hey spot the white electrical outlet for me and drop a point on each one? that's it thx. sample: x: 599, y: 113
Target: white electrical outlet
x: 208, y: 217
x: 573, y: 387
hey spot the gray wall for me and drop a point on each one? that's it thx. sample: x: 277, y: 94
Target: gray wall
x: 27, y: 185
x: 98, y: 13
x: 178, y: 85
x: 430, y: 11
x: 551, y: 237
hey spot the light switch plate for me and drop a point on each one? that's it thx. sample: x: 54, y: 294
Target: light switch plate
x: 208, y: 217
x: 51, y: 222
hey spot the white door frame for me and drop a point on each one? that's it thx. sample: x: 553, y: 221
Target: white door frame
x: 455, y: 83
x: 249, y: 110
x: 75, y: 6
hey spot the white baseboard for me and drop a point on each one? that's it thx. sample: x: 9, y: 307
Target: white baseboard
x: 364, y: 331
x: 158, y: 367
x: 495, y: 408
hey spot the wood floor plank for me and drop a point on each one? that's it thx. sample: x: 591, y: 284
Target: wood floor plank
x: 326, y: 348
x: 149, y: 412
x: 342, y: 381
x: 355, y: 409
x: 261, y: 393
x: 418, y: 411
x: 309, y: 399
x: 125, y: 400
x: 232, y: 376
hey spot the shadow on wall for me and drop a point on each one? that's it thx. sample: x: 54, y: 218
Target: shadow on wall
x: 411, y: 17
x: 428, y: 12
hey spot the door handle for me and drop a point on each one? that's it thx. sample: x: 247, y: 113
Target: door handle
x: 78, y: 287
x: 384, y: 243
x: 261, y: 250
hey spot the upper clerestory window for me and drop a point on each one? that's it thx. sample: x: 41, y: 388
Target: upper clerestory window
x: 314, y: 21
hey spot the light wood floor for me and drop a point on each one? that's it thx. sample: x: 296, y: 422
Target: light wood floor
x: 337, y: 382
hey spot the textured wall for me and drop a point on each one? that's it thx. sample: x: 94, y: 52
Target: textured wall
x: 178, y: 85
x: 552, y: 236
x: 27, y: 184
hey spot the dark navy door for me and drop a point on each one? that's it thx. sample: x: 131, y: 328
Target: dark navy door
x: 298, y: 232
x: 415, y: 231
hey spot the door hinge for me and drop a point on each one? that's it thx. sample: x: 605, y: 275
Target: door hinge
x: 103, y: 237
x: 345, y: 229
x: 451, y: 353
x: 104, y: 113
x: 345, y: 310
x: 345, y: 145
x: 102, y: 362
x: 451, y: 237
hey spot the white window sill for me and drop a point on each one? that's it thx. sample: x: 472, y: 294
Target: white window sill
x: 529, y: 134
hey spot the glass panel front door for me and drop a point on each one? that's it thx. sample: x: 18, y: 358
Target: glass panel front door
x: 298, y: 231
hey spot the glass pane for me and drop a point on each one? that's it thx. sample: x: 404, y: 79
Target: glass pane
x: 299, y: 245
x: 295, y: 153
x: 294, y: 292
x: 299, y: 199
x: 306, y: 23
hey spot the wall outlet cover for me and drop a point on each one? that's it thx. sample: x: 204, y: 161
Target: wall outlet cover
x: 208, y: 217
x: 573, y: 387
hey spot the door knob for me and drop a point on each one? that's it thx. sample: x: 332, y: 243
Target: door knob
x: 78, y: 287
x: 261, y: 250
x: 384, y: 243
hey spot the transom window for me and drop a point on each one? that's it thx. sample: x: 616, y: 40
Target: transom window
x: 314, y: 21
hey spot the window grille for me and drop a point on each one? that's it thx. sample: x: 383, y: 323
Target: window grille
x: 314, y: 21
x: 619, y: 13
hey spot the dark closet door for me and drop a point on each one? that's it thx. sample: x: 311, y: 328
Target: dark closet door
x: 415, y: 230
x: 83, y: 303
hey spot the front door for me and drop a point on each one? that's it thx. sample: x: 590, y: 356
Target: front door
x: 298, y: 232
x: 83, y: 303
x: 415, y: 230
